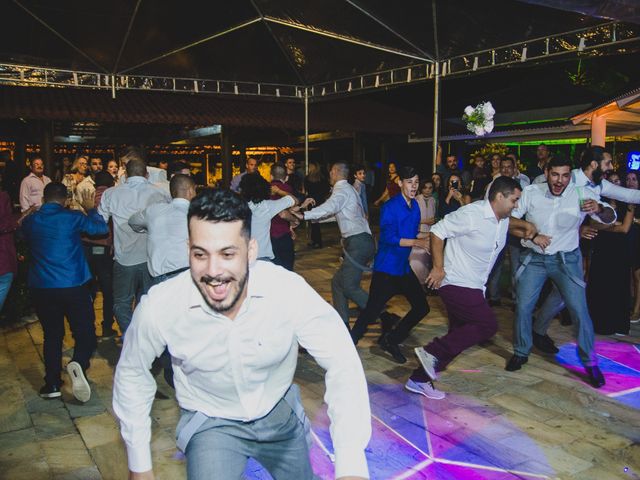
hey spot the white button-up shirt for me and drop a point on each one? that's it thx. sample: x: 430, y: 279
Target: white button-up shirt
x: 31, y: 190
x: 240, y: 369
x: 474, y: 237
x: 345, y: 204
x: 120, y: 203
x: 559, y: 217
x: 167, y: 235
x: 261, y: 215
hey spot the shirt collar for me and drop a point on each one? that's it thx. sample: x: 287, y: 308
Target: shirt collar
x: 581, y: 179
x: 135, y: 180
x: 51, y: 206
x: 487, y: 211
x: 180, y: 202
x: 340, y: 182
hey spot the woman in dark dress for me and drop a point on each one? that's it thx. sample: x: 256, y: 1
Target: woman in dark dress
x: 317, y: 188
x: 608, y: 286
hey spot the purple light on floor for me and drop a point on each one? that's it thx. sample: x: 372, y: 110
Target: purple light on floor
x: 620, y: 365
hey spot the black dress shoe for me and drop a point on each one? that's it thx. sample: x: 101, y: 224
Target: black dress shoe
x: 596, y: 379
x: 515, y: 363
x: 388, y: 321
x: 50, y: 391
x: 544, y: 343
x: 391, y: 348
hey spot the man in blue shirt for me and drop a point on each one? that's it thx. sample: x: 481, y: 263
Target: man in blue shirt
x: 58, y: 276
x: 392, y: 275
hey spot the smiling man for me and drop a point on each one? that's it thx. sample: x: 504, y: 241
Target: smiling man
x: 392, y: 274
x: 557, y: 209
x: 232, y: 326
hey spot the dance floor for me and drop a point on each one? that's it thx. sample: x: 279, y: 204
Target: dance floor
x: 542, y: 422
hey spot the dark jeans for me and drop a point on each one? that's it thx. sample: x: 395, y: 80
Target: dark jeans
x: 101, y: 266
x: 316, y: 234
x: 52, y: 305
x: 384, y: 287
x: 471, y: 321
x: 283, y: 251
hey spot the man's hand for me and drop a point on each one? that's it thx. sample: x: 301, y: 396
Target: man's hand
x: 543, y: 241
x: 587, y: 232
x: 26, y: 213
x: 422, y: 243
x: 529, y: 230
x: 148, y: 475
x: 590, y: 206
x: 307, y: 202
x: 435, y: 277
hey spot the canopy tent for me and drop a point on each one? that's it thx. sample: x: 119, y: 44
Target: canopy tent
x: 311, y: 51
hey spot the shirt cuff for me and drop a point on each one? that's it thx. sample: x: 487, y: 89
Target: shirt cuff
x: 351, y: 462
x: 139, y: 458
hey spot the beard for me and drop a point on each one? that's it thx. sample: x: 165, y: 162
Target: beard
x: 236, y: 289
x: 597, y: 176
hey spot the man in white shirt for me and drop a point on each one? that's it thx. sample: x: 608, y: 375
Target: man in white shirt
x: 251, y: 166
x: 595, y: 162
x: 166, y: 227
x: 475, y: 235
x: 131, y: 277
x: 233, y: 326
x: 557, y: 209
x: 358, y: 244
x: 86, y: 189
x: 32, y: 186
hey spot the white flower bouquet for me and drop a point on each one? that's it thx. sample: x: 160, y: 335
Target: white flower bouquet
x: 479, y: 119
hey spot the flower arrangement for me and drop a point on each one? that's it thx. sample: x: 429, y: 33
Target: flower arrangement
x: 479, y: 119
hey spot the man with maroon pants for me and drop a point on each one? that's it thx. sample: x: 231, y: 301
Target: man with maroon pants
x: 475, y: 234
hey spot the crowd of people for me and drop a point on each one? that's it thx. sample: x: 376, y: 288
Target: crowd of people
x: 203, y: 282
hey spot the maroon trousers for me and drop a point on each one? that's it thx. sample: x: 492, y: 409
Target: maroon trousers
x: 471, y: 321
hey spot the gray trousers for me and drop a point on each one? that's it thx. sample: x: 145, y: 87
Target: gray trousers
x: 345, y: 284
x: 130, y: 282
x: 220, y: 448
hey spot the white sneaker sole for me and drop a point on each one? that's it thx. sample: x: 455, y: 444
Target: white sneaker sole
x: 80, y: 387
x: 436, y: 396
x: 426, y: 361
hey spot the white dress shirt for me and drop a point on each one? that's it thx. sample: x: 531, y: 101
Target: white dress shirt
x: 239, y: 369
x: 474, y: 237
x: 606, y: 188
x: 261, y: 215
x: 345, y: 204
x: 31, y: 191
x: 559, y: 217
x: 120, y: 203
x: 167, y: 235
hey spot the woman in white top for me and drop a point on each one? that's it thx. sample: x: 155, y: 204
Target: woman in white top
x: 419, y: 259
x: 256, y: 191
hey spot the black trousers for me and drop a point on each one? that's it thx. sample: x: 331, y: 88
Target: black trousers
x: 52, y: 305
x: 316, y: 234
x: 101, y: 265
x: 383, y: 288
x: 283, y: 251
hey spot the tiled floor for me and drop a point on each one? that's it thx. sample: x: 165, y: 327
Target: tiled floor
x: 541, y: 422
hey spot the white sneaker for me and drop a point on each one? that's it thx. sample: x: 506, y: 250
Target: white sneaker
x: 427, y: 361
x: 427, y: 389
x: 80, y: 387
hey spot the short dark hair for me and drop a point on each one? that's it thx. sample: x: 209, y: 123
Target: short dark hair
x: 558, y: 162
x: 104, y: 179
x: 357, y: 167
x: 179, y: 183
x: 407, y: 172
x: 278, y: 172
x: 220, y: 205
x: 55, y: 192
x: 136, y: 168
x: 504, y: 185
x: 133, y: 152
x: 591, y: 154
x: 254, y: 188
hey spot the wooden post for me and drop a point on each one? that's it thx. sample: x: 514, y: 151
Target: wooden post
x: 598, y: 130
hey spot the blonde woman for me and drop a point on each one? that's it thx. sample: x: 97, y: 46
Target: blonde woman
x: 71, y: 180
